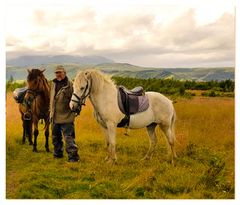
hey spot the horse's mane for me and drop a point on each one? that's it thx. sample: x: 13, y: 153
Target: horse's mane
x: 99, y: 78
x: 34, y: 74
x: 45, y: 83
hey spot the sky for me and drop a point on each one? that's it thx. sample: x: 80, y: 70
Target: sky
x: 170, y: 33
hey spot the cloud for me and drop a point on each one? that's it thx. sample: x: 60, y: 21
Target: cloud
x: 135, y: 37
x: 183, y: 42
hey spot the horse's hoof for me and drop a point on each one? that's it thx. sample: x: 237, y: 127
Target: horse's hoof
x: 106, y: 158
x: 35, y: 150
x: 111, y: 161
x: 145, y: 158
x: 23, y: 142
x: 173, y: 159
x: 173, y: 162
x: 47, y: 150
x: 30, y: 143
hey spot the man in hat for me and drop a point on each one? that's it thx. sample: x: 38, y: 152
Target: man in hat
x: 61, y: 117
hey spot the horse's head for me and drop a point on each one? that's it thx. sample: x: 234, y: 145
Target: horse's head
x: 35, y: 79
x: 81, y: 90
x: 35, y: 84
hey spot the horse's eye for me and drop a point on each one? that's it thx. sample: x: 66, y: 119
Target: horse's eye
x: 82, y: 88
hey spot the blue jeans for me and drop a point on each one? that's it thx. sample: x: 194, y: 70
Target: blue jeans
x: 66, y: 130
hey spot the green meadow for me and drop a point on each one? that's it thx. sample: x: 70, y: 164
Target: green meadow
x: 204, y: 167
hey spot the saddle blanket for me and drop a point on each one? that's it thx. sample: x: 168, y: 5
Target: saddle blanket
x: 132, y: 104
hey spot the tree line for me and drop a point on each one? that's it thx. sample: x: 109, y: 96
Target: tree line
x: 164, y: 86
x: 178, y: 87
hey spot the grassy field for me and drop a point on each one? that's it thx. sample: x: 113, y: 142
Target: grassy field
x: 204, y: 168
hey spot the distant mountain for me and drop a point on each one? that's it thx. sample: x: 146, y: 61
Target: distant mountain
x: 128, y: 70
x: 57, y: 59
x: 197, y: 74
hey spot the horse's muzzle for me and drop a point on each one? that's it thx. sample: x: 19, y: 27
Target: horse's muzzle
x: 76, y: 104
x: 27, y: 116
x: 76, y: 109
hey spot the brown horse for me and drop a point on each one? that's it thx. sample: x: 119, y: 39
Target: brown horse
x: 35, y: 106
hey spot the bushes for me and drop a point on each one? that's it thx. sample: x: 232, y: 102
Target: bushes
x: 11, y: 86
x: 165, y: 86
x: 214, y: 93
x: 178, y: 88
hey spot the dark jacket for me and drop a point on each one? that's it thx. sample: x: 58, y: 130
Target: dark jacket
x: 60, y: 111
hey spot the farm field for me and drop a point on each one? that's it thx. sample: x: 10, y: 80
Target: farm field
x: 204, y: 168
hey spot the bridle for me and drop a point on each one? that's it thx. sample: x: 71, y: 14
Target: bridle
x: 81, y: 100
x: 28, y: 113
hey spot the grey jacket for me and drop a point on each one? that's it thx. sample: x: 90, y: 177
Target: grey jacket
x: 60, y: 111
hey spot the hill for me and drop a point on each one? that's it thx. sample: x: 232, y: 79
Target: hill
x: 17, y: 68
x: 59, y: 59
x: 128, y: 70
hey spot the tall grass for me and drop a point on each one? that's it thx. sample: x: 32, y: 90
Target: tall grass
x: 204, y: 169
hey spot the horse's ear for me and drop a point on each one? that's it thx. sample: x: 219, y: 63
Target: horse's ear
x: 87, y: 75
x: 29, y: 71
x: 43, y: 70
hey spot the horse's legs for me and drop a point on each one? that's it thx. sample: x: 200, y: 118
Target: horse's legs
x: 24, y: 132
x: 47, y: 136
x: 105, y: 131
x: 153, y: 140
x: 111, y: 129
x: 30, y: 133
x: 35, y: 133
x: 28, y: 130
x: 169, y: 133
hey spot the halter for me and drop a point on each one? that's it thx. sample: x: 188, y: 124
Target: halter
x: 28, y: 113
x: 81, y: 100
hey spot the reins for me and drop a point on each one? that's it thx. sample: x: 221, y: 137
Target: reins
x: 35, y: 93
x: 82, y: 99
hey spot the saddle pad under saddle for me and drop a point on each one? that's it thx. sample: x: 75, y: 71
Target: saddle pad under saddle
x: 131, y: 104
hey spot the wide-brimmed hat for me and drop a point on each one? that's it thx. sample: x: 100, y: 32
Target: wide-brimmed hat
x: 60, y: 68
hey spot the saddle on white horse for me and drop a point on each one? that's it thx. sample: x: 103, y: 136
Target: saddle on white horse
x: 131, y: 102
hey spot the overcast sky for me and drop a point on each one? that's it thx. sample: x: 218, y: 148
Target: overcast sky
x: 169, y: 33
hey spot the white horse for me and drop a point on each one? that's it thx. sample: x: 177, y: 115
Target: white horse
x: 103, y: 94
